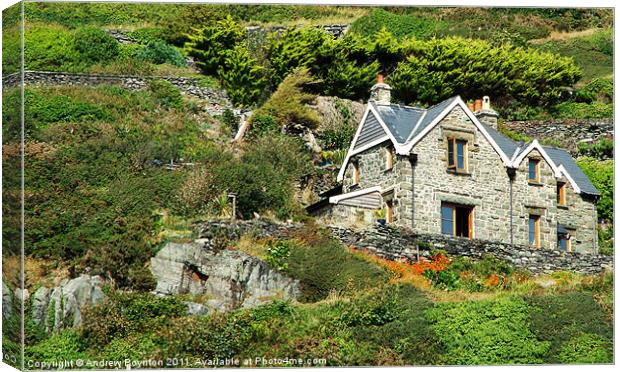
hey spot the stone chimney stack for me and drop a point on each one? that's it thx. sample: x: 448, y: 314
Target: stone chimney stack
x: 485, y: 113
x: 380, y: 92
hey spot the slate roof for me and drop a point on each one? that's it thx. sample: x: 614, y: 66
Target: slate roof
x: 562, y: 157
x: 405, y: 122
x: 508, y: 146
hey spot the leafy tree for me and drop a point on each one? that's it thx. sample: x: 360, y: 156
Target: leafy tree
x: 242, y: 76
x: 210, y: 45
x: 295, y: 48
x: 601, y: 173
x: 440, y: 68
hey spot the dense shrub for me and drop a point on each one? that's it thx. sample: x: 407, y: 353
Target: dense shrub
x: 587, y: 348
x: 602, y: 149
x: 210, y: 45
x: 487, y: 332
x: 401, y: 25
x: 230, y: 121
x: 159, y: 52
x: 289, y: 103
x: 345, y: 272
x: 601, y: 173
x: 49, y: 47
x: 558, y: 319
x: 263, y: 125
x: 64, y: 346
x: 262, y: 178
x: 242, y: 76
x: 95, y: 45
x: 122, y: 314
x: 277, y: 254
x: 133, y: 347
x: 580, y: 110
x: 440, y: 68
x: 166, y: 94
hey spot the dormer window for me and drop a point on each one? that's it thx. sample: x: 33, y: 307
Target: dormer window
x: 533, y: 170
x: 457, y: 154
x: 389, y: 158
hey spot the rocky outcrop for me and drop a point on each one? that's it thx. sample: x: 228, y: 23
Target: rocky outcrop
x: 228, y: 279
x: 61, y: 307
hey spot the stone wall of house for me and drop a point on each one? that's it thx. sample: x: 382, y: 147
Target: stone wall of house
x: 402, y: 244
x: 541, y: 199
x: 567, y: 132
x: 485, y: 185
x: 373, y: 172
x: 217, y: 99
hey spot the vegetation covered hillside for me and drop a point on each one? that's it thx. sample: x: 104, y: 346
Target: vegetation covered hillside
x: 113, y: 174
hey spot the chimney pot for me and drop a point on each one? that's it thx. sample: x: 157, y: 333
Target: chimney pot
x: 478, y: 105
x: 379, y: 78
x: 470, y: 106
x: 380, y: 92
x: 486, y: 103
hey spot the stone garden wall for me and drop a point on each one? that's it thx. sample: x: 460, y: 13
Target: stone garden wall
x: 217, y: 99
x: 400, y: 244
x: 567, y: 132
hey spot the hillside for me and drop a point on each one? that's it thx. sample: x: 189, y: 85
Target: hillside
x: 116, y: 172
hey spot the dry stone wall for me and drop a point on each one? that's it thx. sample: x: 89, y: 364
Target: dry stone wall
x: 217, y: 99
x: 567, y: 132
x: 397, y: 243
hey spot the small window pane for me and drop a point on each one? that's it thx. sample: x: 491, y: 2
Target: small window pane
x: 532, y: 230
x: 460, y: 155
x: 451, y: 152
x: 532, y: 169
x: 447, y: 222
x: 563, y: 244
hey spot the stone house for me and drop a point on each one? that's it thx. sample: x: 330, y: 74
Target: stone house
x: 448, y: 170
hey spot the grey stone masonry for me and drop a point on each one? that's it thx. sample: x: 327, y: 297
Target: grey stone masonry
x: 401, y: 244
x: 396, y: 243
x: 567, y: 132
x: 218, y: 101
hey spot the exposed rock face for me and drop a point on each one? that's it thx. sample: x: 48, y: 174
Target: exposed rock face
x: 61, y: 306
x: 7, y: 301
x: 230, y: 279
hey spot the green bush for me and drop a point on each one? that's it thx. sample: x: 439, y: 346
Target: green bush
x: 64, y: 346
x: 602, y: 149
x: 580, y: 110
x: 134, y: 347
x: 95, y: 45
x: 601, y: 173
x: 147, y: 35
x: 230, y: 121
x: 242, y: 76
x: 440, y: 68
x: 159, y: 52
x: 277, y: 254
x: 558, y: 319
x: 123, y: 314
x: 166, y: 94
x: 345, y: 273
x: 262, y: 125
x: 375, y: 308
x: 210, y: 45
x: 289, y: 103
x: 587, y: 348
x: 487, y: 332
x: 401, y: 25
x: 51, y: 48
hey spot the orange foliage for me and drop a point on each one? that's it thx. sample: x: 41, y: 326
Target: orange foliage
x: 492, y: 281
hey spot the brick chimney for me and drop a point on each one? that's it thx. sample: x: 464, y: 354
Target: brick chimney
x: 380, y: 92
x: 485, y: 113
